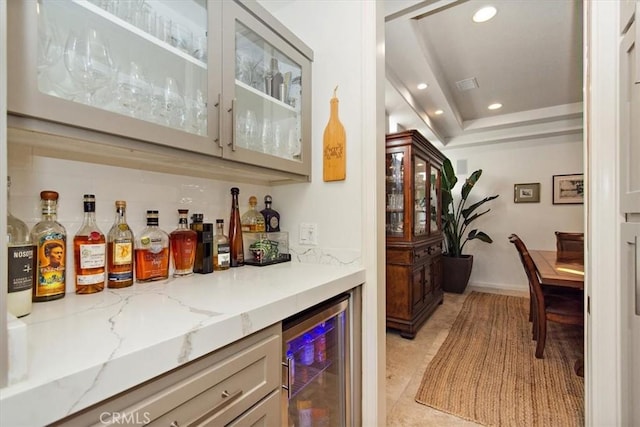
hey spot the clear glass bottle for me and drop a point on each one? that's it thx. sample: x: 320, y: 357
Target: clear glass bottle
x: 221, y: 250
x: 204, y: 249
x: 184, y: 242
x: 152, y: 251
x: 236, y: 247
x: 252, y: 220
x: 20, y: 263
x: 271, y: 216
x: 50, y: 238
x: 120, y: 250
x: 89, y: 251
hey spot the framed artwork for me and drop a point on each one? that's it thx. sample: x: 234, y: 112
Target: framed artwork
x: 526, y: 193
x: 568, y: 189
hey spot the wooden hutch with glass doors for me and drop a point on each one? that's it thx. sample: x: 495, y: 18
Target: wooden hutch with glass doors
x: 413, y: 231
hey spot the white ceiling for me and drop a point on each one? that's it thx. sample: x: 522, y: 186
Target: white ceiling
x: 528, y: 58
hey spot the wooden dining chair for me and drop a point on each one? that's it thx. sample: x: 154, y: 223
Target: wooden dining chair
x: 546, y: 306
x: 570, y: 246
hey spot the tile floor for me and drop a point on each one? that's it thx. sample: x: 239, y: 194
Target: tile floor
x: 407, y: 360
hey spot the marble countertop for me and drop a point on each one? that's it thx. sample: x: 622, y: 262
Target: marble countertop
x: 85, y: 348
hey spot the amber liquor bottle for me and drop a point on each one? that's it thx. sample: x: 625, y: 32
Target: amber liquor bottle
x: 184, y: 242
x: 221, y: 250
x: 50, y: 238
x: 271, y: 217
x: 152, y: 251
x: 20, y: 263
x: 120, y: 250
x: 204, y: 249
x: 89, y: 251
x: 252, y: 220
x: 236, y: 247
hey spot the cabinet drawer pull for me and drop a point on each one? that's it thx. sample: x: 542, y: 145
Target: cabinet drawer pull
x: 174, y: 424
x: 228, y: 399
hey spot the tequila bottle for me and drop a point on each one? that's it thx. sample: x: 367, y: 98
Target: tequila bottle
x: 20, y: 263
x: 271, y: 217
x: 252, y: 220
x: 236, y: 247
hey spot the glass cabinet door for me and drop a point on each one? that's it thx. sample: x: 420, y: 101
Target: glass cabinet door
x: 419, y: 196
x: 435, y: 207
x: 136, y: 68
x: 270, y: 105
x: 395, y: 194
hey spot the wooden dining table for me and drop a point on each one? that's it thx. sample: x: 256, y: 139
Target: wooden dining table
x: 557, y: 273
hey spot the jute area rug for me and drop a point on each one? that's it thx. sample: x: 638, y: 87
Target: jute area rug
x: 486, y: 370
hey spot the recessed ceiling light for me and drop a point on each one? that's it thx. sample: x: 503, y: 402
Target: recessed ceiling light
x: 438, y: 112
x: 422, y: 86
x: 495, y: 106
x: 484, y: 14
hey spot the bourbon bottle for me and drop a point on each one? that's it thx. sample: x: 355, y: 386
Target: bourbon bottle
x: 50, y: 238
x: 152, y: 251
x: 184, y: 242
x: 204, y: 249
x: 235, y: 232
x: 89, y: 251
x: 221, y: 250
x: 120, y: 250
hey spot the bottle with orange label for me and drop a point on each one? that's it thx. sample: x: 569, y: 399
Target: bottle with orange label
x: 89, y: 251
x: 152, y: 251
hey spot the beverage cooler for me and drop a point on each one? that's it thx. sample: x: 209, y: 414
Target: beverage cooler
x: 318, y: 370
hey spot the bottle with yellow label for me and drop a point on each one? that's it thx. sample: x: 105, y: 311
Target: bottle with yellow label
x: 50, y: 238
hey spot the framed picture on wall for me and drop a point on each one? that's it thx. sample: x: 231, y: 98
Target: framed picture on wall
x: 526, y: 193
x: 568, y: 189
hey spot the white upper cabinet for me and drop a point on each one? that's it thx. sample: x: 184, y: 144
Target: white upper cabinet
x: 221, y: 79
x: 629, y: 124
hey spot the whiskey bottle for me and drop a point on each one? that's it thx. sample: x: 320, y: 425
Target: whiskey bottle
x: 152, y: 251
x: 89, y: 251
x: 221, y: 250
x: 271, y: 217
x: 236, y: 248
x: 20, y: 263
x: 252, y: 220
x: 50, y: 238
x: 204, y: 249
x: 120, y: 250
x: 183, y: 242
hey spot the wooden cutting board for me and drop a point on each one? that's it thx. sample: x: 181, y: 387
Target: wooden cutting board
x: 334, y: 145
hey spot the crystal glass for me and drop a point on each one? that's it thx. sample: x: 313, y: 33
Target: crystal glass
x: 88, y: 59
x: 169, y: 105
x: 133, y: 91
x: 49, y: 44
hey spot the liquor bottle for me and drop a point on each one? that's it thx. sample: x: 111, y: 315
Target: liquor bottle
x: 89, y: 251
x: 50, y: 238
x: 271, y: 217
x: 252, y: 220
x: 20, y: 263
x: 221, y: 249
x: 152, y: 251
x: 204, y: 249
x: 120, y: 250
x: 184, y: 242
x: 236, y: 248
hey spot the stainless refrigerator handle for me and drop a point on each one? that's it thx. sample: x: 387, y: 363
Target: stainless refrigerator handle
x: 232, y: 144
x: 218, y: 104
x: 636, y: 274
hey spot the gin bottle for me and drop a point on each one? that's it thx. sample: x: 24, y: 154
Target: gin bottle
x: 20, y: 263
x: 89, y: 251
x: 50, y: 238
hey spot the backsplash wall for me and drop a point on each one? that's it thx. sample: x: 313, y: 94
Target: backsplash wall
x: 141, y: 189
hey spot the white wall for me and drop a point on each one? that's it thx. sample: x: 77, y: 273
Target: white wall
x: 503, y: 165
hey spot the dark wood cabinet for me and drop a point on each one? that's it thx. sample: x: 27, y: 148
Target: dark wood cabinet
x: 413, y: 231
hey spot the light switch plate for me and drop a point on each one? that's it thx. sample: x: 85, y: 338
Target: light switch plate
x: 308, y: 233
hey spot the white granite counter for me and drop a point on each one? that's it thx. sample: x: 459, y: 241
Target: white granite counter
x: 85, y: 348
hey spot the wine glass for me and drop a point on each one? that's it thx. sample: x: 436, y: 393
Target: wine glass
x: 133, y: 91
x: 169, y: 106
x: 49, y: 47
x: 88, y: 61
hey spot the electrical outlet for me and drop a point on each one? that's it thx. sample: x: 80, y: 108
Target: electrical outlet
x: 308, y: 233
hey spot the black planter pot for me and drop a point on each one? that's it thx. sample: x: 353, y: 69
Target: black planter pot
x: 456, y: 272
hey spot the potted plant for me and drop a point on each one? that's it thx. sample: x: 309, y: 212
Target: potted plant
x: 456, y: 219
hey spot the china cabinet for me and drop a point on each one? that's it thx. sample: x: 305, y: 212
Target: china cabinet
x: 196, y: 76
x: 413, y: 231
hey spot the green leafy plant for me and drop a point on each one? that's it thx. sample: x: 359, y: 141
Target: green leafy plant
x: 456, y: 217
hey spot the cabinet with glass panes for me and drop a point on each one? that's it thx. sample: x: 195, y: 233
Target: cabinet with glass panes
x: 413, y: 230
x: 223, y: 79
